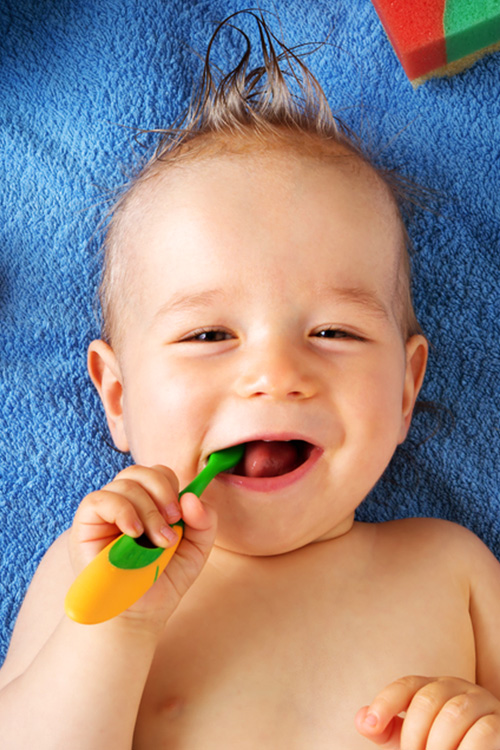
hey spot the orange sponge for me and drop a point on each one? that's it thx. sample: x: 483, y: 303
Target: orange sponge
x: 439, y: 37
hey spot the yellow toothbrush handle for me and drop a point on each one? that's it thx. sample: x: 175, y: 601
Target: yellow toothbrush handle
x: 124, y: 570
x: 104, y: 590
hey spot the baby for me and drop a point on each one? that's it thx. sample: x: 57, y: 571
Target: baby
x: 256, y: 291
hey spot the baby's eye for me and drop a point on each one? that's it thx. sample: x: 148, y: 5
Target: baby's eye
x: 335, y: 333
x: 209, y: 335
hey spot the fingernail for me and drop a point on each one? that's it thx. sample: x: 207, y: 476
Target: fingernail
x: 370, y: 720
x: 172, y: 512
x: 169, y: 534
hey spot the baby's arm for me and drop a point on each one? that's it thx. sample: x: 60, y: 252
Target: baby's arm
x: 448, y: 713
x: 66, y: 685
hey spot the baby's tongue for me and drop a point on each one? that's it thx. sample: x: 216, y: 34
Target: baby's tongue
x: 269, y: 458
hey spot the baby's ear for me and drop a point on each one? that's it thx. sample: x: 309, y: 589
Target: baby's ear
x: 417, y: 350
x: 106, y: 375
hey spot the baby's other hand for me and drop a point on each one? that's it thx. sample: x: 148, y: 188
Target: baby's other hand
x: 145, y: 500
x: 442, y: 713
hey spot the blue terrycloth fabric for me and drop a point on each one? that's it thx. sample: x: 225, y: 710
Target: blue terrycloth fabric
x: 71, y: 73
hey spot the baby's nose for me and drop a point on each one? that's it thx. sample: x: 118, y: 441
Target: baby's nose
x: 274, y: 372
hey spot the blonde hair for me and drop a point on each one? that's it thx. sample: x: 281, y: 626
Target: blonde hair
x: 250, y: 110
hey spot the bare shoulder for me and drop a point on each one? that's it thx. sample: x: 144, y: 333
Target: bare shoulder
x: 439, y: 546
x: 42, y: 610
x: 444, y: 538
x: 453, y: 545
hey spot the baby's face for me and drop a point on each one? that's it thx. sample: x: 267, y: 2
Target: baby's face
x: 264, y: 308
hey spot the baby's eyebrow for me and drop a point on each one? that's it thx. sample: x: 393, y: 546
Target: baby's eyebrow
x: 362, y: 296
x: 190, y: 301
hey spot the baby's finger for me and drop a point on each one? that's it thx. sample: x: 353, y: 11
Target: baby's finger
x: 484, y: 735
x: 441, y: 712
x: 101, y: 514
x: 197, y: 514
x: 200, y: 528
x: 125, y: 499
x: 471, y: 715
x: 160, y: 483
x: 390, y: 702
x: 388, y: 738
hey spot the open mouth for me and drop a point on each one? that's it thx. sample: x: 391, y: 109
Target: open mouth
x: 272, y: 458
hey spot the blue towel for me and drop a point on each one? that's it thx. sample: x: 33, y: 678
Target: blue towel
x: 76, y: 77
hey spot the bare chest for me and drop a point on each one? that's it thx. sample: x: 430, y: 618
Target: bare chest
x: 280, y: 658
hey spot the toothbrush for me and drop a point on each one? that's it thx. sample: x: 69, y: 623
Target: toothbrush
x: 124, y: 570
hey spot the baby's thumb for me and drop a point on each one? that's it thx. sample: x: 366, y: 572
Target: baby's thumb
x: 200, y: 520
x: 387, y: 737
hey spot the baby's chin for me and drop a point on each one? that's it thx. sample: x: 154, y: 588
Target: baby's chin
x: 260, y: 544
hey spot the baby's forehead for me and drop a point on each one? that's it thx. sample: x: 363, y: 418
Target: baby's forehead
x: 213, y: 200
x: 238, y: 198
x: 277, y: 166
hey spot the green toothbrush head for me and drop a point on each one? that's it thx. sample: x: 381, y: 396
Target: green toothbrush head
x: 227, y: 458
x: 217, y: 462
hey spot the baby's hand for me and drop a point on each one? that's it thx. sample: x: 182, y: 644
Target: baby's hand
x: 442, y: 713
x: 145, y: 499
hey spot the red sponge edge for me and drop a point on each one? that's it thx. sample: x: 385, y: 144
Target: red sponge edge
x: 416, y: 32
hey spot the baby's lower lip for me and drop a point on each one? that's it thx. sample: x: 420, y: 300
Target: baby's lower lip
x: 274, y: 484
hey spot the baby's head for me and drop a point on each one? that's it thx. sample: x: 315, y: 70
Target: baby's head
x: 257, y: 291
x: 251, y: 114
